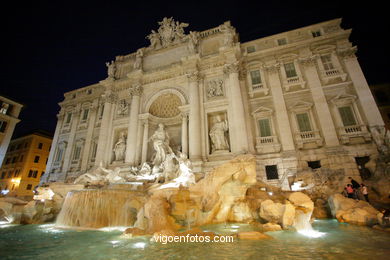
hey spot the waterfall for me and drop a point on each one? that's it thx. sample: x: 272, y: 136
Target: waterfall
x: 303, y: 226
x: 97, y: 208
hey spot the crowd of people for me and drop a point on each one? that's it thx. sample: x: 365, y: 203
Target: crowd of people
x: 357, y: 191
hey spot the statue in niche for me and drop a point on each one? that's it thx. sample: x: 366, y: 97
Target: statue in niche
x: 154, y: 39
x: 138, y: 59
x: 161, y: 146
x: 111, y: 69
x: 228, y: 32
x: 217, y: 135
x: 120, y: 147
x: 122, y: 108
x: 193, y: 42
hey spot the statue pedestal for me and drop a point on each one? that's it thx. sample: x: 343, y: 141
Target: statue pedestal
x: 220, y: 155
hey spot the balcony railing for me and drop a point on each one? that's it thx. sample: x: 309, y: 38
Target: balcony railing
x: 308, y: 137
x: 267, y: 144
x: 293, y: 81
x: 354, y: 131
x: 333, y: 73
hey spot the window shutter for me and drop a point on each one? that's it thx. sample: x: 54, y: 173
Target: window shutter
x: 303, y: 122
x: 265, y: 128
x: 347, y: 116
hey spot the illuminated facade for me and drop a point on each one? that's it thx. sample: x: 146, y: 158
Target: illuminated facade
x: 24, y: 164
x: 295, y: 100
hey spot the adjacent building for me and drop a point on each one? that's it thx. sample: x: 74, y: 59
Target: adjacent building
x: 295, y: 100
x: 25, y: 163
x: 382, y: 97
x: 9, y: 113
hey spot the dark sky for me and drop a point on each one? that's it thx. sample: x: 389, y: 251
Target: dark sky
x: 51, y: 48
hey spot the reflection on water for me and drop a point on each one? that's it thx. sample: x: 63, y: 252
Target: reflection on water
x: 342, y: 241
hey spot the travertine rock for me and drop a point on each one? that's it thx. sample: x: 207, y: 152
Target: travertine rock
x: 253, y: 235
x: 272, y: 212
x: 271, y: 227
x: 351, y: 211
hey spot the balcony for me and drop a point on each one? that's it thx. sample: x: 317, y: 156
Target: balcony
x: 292, y: 82
x: 328, y: 75
x: 308, y: 139
x: 267, y: 144
x: 258, y: 88
x: 354, y: 134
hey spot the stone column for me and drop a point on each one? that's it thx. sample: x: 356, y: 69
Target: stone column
x: 360, y: 84
x: 184, y: 134
x: 145, y: 141
x: 53, y: 149
x: 237, y: 126
x: 88, y: 140
x: 320, y: 103
x: 281, y: 114
x: 69, y: 148
x: 110, y: 99
x: 195, y: 148
x: 131, y: 144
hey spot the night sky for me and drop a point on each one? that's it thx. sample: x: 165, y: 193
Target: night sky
x: 51, y: 48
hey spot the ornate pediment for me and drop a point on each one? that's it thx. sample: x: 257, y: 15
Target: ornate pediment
x: 170, y: 32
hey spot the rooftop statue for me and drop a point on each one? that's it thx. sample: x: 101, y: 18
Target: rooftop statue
x: 111, y: 69
x: 169, y: 32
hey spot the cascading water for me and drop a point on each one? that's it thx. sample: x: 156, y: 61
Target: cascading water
x: 97, y: 208
x: 303, y: 226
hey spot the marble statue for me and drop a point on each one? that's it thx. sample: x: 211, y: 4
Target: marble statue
x: 113, y: 176
x: 193, y: 42
x: 170, y: 167
x: 161, y: 146
x: 154, y: 39
x: 138, y: 59
x: 185, y: 176
x: 228, y: 32
x: 145, y: 169
x: 111, y: 69
x: 217, y: 135
x: 120, y: 147
x: 169, y: 32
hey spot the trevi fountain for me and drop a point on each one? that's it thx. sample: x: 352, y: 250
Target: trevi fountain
x: 122, y: 209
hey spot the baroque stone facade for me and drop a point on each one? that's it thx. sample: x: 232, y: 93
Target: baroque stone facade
x: 294, y: 100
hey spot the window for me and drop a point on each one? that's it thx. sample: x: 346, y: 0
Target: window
x: 40, y: 145
x: 255, y: 77
x: 9, y: 174
x: 250, y: 49
x: 35, y: 174
x: 3, y: 175
x: 42, y: 173
x: 327, y: 62
x: 4, y: 108
x: 94, y: 150
x: 282, y: 41
x: 68, y: 118
x: 59, y: 154
x: 85, y: 114
x: 77, y: 151
x: 14, y: 159
x: 314, y: 164
x: 21, y: 158
x: 290, y: 70
x: 271, y: 172
x: 347, y: 116
x: 101, y: 111
x: 7, y: 161
x: 265, y: 127
x: 316, y: 33
x: 89, y: 91
x: 36, y: 159
x: 3, y: 126
x: 29, y: 187
x: 303, y: 122
x: 30, y: 173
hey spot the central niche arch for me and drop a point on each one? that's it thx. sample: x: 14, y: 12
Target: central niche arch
x: 165, y: 106
x: 165, y: 103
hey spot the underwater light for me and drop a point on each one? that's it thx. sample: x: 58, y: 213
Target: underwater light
x: 311, y: 233
x: 114, y: 242
x: 140, y: 245
x: 270, y: 193
x: 233, y: 226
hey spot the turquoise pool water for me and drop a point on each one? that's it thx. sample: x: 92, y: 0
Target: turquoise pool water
x: 340, y: 241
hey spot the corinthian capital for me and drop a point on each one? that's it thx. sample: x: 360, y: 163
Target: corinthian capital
x: 308, y: 61
x: 231, y: 68
x: 193, y: 76
x: 136, y: 90
x: 348, y: 53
